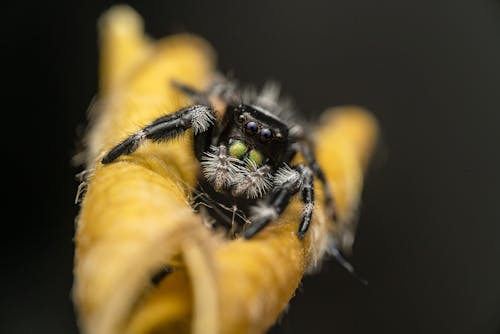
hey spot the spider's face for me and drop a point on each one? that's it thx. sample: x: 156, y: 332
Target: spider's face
x: 255, y: 134
x: 251, y: 146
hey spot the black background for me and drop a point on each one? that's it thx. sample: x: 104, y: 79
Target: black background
x: 429, y: 234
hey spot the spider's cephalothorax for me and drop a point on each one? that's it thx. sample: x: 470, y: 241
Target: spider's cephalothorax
x: 246, y: 179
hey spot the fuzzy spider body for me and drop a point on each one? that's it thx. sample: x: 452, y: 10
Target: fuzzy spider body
x: 254, y: 145
x: 246, y: 179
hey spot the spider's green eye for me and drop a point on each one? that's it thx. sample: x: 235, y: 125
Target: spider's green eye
x: 237, y: 149
x: 256, y: 157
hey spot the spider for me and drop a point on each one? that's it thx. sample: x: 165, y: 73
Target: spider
x: 247, y: 178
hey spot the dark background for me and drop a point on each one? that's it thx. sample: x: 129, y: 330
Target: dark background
x: 429, y: 234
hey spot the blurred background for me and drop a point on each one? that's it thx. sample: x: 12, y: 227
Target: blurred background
x: 429, y: 235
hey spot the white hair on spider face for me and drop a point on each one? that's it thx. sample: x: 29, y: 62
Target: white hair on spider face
x: 253, y: 181
x: 219, y: 168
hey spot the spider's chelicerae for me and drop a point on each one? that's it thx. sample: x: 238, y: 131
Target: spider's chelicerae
x: 245, y: 146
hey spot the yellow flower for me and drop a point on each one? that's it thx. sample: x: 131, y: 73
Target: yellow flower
x: 136, y: 218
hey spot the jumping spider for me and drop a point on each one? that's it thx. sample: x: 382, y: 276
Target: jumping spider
x: 245, y: 157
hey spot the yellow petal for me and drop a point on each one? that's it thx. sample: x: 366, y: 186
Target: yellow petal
x: 136, y: 218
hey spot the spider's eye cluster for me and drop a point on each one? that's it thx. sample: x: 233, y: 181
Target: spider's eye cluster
x: 252, y: 129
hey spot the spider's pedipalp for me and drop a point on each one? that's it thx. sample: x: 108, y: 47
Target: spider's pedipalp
x: 253, y: 181
x: 219, y: 168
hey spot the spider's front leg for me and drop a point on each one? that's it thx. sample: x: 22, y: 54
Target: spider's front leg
x: 309, y: 156
x: 288, y: 182
x: 198, y: 117
x: 304, y: 146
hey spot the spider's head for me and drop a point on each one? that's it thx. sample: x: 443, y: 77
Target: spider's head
x: 252, y: 145
x: 255, y: 134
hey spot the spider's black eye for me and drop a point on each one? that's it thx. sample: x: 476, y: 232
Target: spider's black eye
x: 241, y: 118
x: 266, y: 135
x: 251, y: 128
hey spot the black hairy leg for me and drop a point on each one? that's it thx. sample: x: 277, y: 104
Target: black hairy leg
x: 307, y: 198
x: 198, y: 117
x: 288, y: 181
x: 309, y: 156
x: 303, y: 145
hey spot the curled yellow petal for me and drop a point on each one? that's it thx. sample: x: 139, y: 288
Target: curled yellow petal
x: 136, y: 218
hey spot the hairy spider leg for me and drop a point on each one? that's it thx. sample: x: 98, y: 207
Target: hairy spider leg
x: 304, y: 146
x: 307, y: 199
x: 308, y: 154
x: 203, y: 140
x: 200, y: 118
x: 279, y: 200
